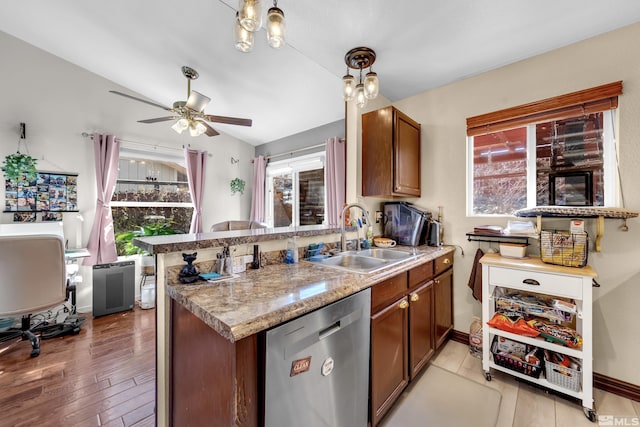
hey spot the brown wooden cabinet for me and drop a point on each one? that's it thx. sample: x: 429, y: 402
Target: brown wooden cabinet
x: 390, y: 154
x: 421, y: 333
x: 389, y: 349
x: 404, y: 329
x: 443, y: 306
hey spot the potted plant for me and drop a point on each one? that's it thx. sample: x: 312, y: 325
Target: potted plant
x: 237, y: 186
x: 19, y: 165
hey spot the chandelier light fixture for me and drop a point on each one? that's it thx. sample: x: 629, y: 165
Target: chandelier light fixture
x: 360, y: 58
x: 249, y: 21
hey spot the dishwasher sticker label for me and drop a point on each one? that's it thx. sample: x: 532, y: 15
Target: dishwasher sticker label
x: 299, y: 366
x: 327, y: 367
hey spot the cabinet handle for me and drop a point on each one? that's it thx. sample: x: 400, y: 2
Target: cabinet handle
x: 446, y: 261
x: 437, y: 281
x: 403, y: 304
x: 531, y: 282
x: 415, y: 297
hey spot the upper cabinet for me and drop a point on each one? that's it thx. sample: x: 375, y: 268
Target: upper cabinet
x: 390, y: 154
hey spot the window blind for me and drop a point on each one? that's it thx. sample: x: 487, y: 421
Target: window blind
x: 600, y: 98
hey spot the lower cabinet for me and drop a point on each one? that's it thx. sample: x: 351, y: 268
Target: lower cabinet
x: 411, y: 315
x: 443, y: 306
x: 389, y: 350
x: 421, y: 334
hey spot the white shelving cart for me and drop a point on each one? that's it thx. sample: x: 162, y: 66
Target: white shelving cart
x: 532, y: 275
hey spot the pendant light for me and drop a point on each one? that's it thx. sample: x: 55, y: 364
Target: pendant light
x: 371, y: 85
x: 242, y: 37
x: 250, y: 14
x: 275, y: 26
x: 360, y: 58
x: 349, y: 87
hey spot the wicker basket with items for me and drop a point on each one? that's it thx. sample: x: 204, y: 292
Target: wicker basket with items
x: 564, y: 248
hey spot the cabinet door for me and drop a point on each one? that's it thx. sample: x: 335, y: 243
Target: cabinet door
x: 421, y: 339
x: 406, y: 174
x: 443, y: 306
x: 389, y: 348
x: 377, y: 152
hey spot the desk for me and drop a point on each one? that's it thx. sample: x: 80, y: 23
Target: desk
x: 74, y: 254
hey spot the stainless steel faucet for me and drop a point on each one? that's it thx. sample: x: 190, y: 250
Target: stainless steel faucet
x: 343, y: 239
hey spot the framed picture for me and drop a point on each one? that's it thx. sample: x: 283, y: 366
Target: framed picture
x: 24, y: 217
x: 49, y: 192
x: 571, y: 188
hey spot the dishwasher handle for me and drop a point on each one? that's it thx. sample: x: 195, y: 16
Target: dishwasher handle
x: 329, y: 330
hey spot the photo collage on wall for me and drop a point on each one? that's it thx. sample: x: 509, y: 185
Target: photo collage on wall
x: 50, y: 193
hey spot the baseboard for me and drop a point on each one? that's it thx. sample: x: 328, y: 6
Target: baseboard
x: 603, y: 382
x: 615, y: 386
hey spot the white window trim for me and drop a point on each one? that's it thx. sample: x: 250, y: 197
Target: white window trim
x: 610, y: 165
x: 294, y: 166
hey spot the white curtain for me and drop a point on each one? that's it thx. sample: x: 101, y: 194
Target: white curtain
x: 196, y: 162
x: 335, y: 179
x: 257, y: 195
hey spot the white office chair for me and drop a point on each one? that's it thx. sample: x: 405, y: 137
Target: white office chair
x: 32, y: 279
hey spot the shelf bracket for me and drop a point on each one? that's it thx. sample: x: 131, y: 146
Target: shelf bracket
x: 599, y: 232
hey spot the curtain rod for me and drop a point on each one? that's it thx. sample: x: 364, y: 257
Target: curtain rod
x: 288, y: 153
x: 146, y: 144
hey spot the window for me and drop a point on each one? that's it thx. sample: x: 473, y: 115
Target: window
x: 150, y: 192
x: 559, y: 151
x: 295, y: 192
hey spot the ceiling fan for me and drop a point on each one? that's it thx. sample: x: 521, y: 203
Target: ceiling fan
x: 190, y: 113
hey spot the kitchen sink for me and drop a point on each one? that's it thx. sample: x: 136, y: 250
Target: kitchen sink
x: 366, y: 260
x: 381, y: 253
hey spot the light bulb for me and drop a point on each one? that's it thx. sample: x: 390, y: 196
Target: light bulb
x: 371, y: 85
x: 275, y: 27
x: 201, y: 128
x: 361, y: 99
x: 243, y: 38
x: 348, y: 89
x: 250, y: 14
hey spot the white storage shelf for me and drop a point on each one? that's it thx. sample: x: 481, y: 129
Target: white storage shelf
x: 532, y: 275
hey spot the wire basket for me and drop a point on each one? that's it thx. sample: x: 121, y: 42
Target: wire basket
x: 564, y: 248
x: 562, y: 376
x: 509, y: 361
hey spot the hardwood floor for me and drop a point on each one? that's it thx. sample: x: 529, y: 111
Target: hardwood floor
x: 104, y: 376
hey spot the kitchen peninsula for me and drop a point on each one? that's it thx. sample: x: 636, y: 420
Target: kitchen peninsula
x: 209, y: 335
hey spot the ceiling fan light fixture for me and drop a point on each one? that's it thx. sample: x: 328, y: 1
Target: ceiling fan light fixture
x: 196, y: 128
x: 250, y: 14
x: 275, y: 26
x: 180, y: 125
x: 349, y: 87
x: 371, y: 85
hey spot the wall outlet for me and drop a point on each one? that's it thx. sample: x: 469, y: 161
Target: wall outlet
x: 248, y: 259
x: 378, y: 217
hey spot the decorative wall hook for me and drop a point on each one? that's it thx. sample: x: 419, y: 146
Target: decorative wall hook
x: 234, y: 160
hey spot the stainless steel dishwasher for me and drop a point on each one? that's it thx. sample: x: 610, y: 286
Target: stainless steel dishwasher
x: 317, y: 367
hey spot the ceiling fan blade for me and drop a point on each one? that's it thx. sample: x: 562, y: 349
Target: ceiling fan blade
x: 159, y: 119
x: 228, y: 120
x: 197, y: 101
x: 141, y: 100
x: 210, y: 131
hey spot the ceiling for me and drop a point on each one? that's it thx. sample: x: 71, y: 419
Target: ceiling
x: 420, y: 44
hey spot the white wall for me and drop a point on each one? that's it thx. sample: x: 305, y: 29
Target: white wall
x: 58, y: 101
x: 442, y: 113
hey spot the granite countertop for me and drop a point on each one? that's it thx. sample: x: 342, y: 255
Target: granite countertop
x: 191, y: 242
x: 259, y: 299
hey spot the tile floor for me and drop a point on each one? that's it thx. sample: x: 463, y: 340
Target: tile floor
x: 523, y: 405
